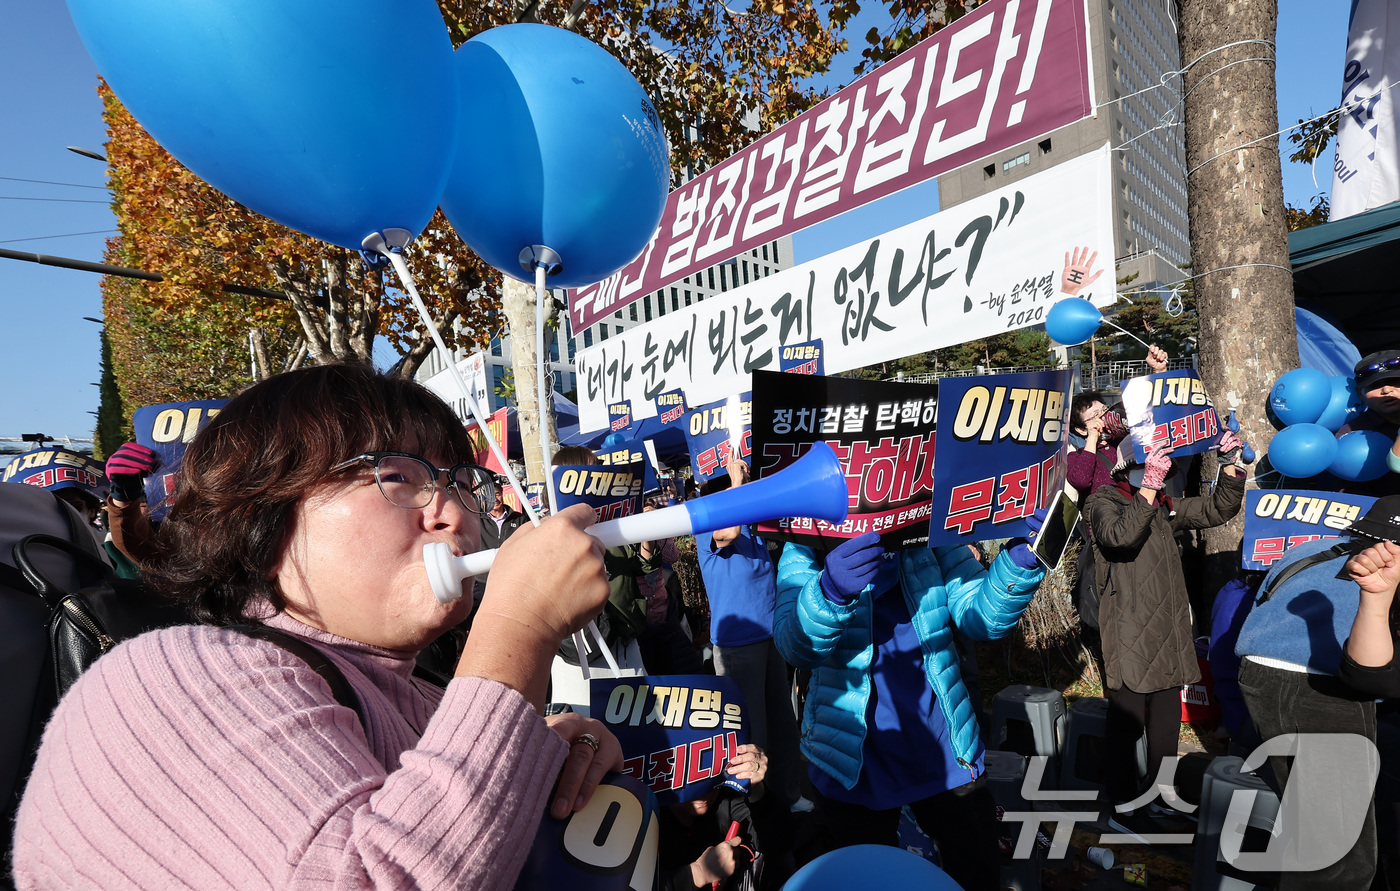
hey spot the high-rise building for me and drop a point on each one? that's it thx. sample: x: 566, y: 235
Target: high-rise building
x: 1134, y: 55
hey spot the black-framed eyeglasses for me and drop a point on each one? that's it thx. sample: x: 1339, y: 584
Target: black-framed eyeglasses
x: 1387, y: 365
x: 408, y: 481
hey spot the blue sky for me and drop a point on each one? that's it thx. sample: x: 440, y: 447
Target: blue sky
x: 49, y: 355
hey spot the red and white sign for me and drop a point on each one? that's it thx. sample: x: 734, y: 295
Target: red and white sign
x: 1007, y: 72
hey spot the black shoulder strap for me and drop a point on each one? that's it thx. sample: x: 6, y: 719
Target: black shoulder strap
x: 1297, y: 566
x: 340, y: 687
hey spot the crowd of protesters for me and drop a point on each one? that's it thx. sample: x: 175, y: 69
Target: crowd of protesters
x: 204, y: 756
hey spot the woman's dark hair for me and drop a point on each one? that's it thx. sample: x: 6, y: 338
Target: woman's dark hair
x: 244, y: 474
x: 1079, y: 405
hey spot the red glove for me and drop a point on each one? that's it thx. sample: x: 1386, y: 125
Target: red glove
x: 1159, y: 464
x: 127, y: 469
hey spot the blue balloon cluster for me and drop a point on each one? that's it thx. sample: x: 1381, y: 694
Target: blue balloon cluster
x: 344, y: 119
x: 1313, y: 406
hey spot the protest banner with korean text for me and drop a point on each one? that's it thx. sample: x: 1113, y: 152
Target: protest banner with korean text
x: 802, y: 358
x: 1000, y: 453
x: 631, y: 451
x: 670, y: 407
x: 677, y: 732
x: 708, y: 435
x: 883, y: 435
x: 611, y: 490
x: 619, y: 415
x: 167, y: 429
x: 1170, y: 409
x: 1277, y: 519
x: 1005, y: 73
x: 499, y: 424
x: 994, y: 263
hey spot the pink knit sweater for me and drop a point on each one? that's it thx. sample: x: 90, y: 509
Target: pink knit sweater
x: 195, y: 757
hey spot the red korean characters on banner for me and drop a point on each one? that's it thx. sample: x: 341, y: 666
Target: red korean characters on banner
x: 1004, y: 73
x: 883, y: 435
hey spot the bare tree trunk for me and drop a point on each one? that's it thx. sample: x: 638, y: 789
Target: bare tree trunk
x: 263, y: 369
x: 1235, y: 205
x: 518, y: 304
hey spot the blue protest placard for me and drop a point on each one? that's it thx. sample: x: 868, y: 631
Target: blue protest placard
x: 710, y: 431
x: 670, y: 407
x: 610, y: 845
x: 619, y: 415
x: 1170, y: 409
x: 631, y: 451
x: 677, y: 731
x: 1000, y: 453
x: 53, y: 467
x: 167, y: 429
x: 1277, y: 519
x: 802, y: 358
x: 612, y: 491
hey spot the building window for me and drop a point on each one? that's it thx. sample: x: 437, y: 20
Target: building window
x: 687, y: 298
x: 587, y: 337
x: 633, y: 311
x: 618, y: 314
x: 495, y: 346
x: 498, y: 373
x: 744, y: 267
x: 1044, y: 145
x: 646, y: 307
x: 603, y: 331
x: 675, y: 300
x: 1008, y: 166
x: 765, y: 252
x: 661, y: 303
x: 989, y: 171
x: 554, y: 350
x: 712, y: 277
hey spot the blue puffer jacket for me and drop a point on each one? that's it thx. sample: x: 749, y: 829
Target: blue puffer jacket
x: 943, y: 587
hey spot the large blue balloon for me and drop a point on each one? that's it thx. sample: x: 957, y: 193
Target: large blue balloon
x: 1072, y: 321
x: 1344, y: 403
x: 859, y: 865
x: 1302, y: 450
x: 1361, y: 456
x: 332, y: 117
x: 1301, y: 396
x: 561, y: 148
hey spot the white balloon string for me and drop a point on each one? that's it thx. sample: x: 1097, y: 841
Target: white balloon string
x: 406, y: 279
x: 541, y: 370
x: 1129, y: 333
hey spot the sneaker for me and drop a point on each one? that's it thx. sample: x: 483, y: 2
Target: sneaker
x: 1171, y: 805
x: 801, y: 806
x: 1140, y: 825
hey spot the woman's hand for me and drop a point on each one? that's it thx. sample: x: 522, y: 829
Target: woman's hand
x: 593, y: 752
x: 551, y: 575
x: 716, y: 864
x: 749, y: 763
x: 547, y: 582
x: 1156, y: 359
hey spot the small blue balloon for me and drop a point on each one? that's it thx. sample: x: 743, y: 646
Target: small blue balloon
x: 561, y: 148
x: 1361, y: 456
x: 328, y: 116
x: 1302, y: 450
x: 1072, y: 321
x: 858, y: 865
x: 1301, y: 396
x: 1343, y: 405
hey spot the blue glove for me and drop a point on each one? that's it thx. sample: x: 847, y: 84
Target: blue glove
x: 1019, y: 550
x: 851, y: 566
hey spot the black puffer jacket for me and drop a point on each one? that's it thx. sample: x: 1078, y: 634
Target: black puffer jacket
x: 1144, y: 613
